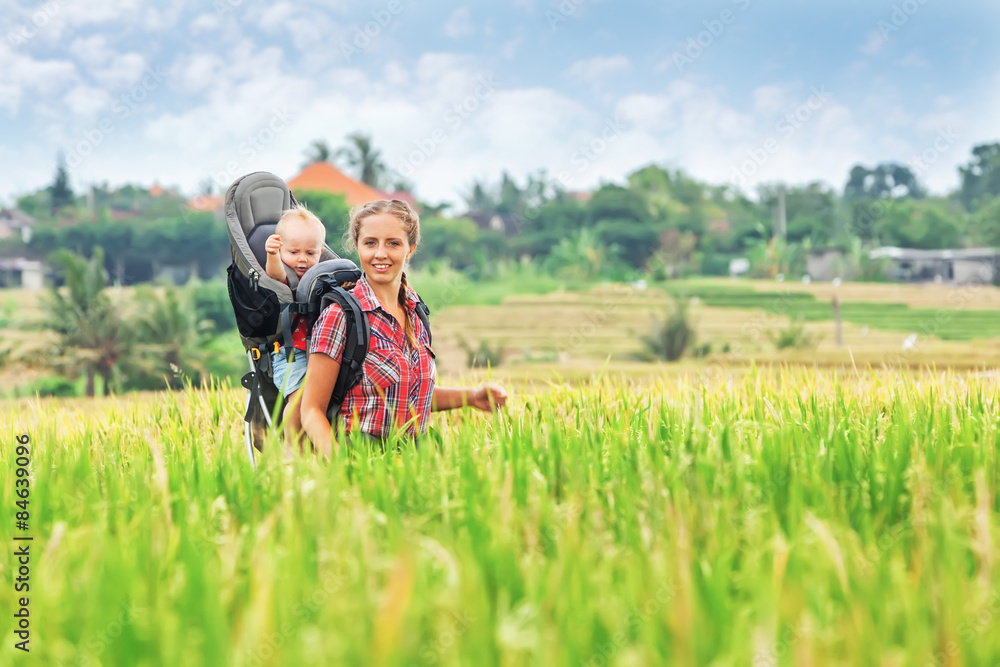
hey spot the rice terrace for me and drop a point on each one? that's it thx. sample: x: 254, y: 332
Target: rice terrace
x: 544, y: 333
x: 807, y: 514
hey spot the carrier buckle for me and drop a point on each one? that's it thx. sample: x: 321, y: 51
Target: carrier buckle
x: 277, y: 347
x: 255, y: 353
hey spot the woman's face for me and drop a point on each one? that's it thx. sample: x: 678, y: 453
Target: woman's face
x: 383, y: 248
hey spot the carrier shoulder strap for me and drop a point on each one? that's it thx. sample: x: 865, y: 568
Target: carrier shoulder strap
x: 356, y: 340
x: 424, y: 313
x: 288, y: 311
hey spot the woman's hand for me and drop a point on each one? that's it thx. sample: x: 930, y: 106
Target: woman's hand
x: 488, y: 397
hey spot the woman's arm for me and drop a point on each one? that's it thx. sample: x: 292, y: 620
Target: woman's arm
x: 321, y: 376
x: 488, y: 398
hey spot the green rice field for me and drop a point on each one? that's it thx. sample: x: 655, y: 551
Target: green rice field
x: 787, y: 516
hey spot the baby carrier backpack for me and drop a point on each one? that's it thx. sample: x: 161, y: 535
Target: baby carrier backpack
x: 267, y: 310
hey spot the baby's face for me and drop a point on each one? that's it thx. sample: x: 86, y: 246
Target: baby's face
x: 301, y: 247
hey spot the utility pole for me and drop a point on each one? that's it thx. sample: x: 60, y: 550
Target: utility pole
x: 779, y: 214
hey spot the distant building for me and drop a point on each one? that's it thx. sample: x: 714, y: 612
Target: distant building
x: 15, y: 221
x: 960, y: 266
x: 826, y: 264
x: 507, y: 223
x: 21, y: 272
x: 207, y: 203
x: 325, y: 177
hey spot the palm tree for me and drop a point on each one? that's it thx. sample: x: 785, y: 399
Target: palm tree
x: 479, y: 198
x: 171, y: 332
x: 360, y: 155
x: 318, y: 151
x: 93, y: 337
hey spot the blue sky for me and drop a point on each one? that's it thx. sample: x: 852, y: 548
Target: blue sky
x: 738, y: 91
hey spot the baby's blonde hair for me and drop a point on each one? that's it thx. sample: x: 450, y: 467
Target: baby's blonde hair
x: 300, y: 215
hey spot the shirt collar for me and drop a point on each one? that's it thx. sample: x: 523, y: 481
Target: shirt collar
x: 369, y: 302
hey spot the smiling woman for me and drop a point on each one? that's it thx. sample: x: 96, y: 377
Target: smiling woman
x: 399, y: 388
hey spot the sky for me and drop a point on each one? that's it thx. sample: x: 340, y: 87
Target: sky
x: 185, y: 92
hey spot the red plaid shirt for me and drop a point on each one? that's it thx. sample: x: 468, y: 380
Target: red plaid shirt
x: 398, y: 382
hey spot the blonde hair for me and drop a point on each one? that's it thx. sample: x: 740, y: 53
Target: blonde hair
x: 300, y: 215
x: 403, y: 212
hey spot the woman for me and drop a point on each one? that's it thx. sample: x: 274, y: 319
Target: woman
x: 399, y: 389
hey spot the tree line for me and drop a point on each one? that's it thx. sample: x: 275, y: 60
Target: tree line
x: 660, y: 222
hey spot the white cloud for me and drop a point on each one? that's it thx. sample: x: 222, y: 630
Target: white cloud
x: 308, y: 28
x: 44, y: 78
x: 913, y: 59
x: 873, y: 44
x: 195, y: 73
x: 459, y: 24
x: 86, y: 101
x: 510, y: 47
x: 92, y: 51
x: 205, y: 23
x: 598, y: 69
x: 123, y: 71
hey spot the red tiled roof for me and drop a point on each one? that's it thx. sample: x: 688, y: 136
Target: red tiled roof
x: 206, y: 203
x: 325, y: 177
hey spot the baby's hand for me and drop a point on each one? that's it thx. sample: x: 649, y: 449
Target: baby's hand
x: 273, y: 244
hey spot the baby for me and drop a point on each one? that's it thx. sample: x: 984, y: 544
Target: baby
x: 298, y: 243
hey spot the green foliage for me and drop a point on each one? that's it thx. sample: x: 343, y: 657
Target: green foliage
x: 332, y: 210
x: 793, y: 516
x: 794, y: 335
x: 484, y: 355
x: 554, y: 222
x: 981, y: 176
x: 131, y: 247
x: 93, y: 337
x: 958, y: 324
x: 673, y: 335
x: 887, y: 180
x: 49, y: 385
x: 810, y: 212
x: 454, y: 240
x: 210, y: 300
x: 60, y: 192
x: 613, y: 202
x: 172, y: 336
x: 36, y: 204
x: 927, y: 224
x: 984, y: 223
x: 360, y: 155
x: 580, y: 257
x: 634, y: 241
